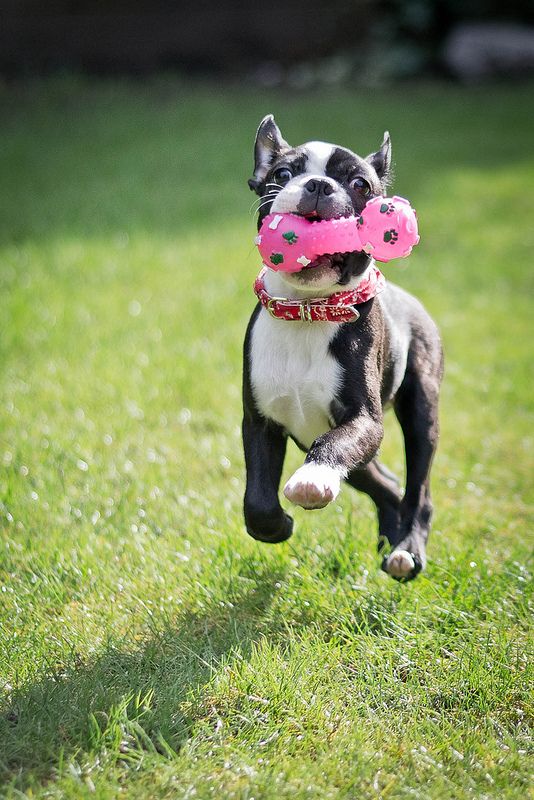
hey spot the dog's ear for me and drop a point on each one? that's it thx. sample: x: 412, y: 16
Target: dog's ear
x: 269, y: 144
x: 381, y: 160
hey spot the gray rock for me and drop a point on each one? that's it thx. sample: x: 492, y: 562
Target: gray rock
x: 478, y: 51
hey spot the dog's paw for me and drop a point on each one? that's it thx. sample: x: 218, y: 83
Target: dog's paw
x: 402, y: 565
x: 269, y: 529
x: 313, y: 486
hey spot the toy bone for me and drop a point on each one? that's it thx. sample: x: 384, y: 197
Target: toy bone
x: 386, y: 229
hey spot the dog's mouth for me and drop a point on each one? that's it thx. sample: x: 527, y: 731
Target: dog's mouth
x: 314, y: 216
x: 327, y: 261
x: 324, y: 272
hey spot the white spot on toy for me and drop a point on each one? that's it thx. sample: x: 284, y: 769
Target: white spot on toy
x: 257, y: 240
x: 275, y: 222
x: 303, y: 260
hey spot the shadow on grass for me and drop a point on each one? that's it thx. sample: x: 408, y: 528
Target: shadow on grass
x: 164, y: 679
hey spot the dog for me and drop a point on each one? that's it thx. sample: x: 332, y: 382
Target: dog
x: 326, y: 384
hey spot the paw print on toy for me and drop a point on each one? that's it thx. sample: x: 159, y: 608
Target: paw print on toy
x: 290, y: 237
x: 386, y: 228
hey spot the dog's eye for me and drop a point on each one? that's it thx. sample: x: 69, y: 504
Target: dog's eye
x: 360, y: 185
x: 282, y: 175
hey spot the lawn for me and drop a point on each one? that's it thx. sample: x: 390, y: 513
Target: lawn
x: 149, y: 647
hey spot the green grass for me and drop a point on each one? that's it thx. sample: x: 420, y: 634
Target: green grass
x: 149, y: 648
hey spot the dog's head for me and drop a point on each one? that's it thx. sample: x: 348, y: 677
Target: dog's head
x: 318, y: 181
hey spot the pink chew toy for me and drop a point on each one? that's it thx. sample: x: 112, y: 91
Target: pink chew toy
x: 386, y: 229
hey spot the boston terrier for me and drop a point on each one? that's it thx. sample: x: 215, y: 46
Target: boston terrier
x: 325, y: 383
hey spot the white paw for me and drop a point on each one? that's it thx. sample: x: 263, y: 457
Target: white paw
x: 400, y: 564
x: 313, y: 486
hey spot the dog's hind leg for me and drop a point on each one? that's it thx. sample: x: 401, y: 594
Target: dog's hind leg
x: 265, y: 447
x: 382, y: 486
x: 416, y: 407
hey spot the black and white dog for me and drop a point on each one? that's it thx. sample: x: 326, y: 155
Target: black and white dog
x: 326, y: 384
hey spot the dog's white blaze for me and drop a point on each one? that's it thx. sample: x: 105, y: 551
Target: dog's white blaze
x: 288, y: 199
x: 294, y: 377
x: 318, y: 155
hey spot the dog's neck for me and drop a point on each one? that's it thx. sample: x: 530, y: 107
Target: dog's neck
x: 278, y: 287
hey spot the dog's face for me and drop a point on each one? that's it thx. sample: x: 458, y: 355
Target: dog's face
x: 318, y: 181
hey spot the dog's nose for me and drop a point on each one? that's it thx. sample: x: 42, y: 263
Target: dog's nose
x: 320, y: 187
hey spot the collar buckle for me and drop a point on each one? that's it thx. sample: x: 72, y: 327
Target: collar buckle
x: 270, y: 305
x: 305, y: 311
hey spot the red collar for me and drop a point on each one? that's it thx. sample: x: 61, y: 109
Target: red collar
x: 338, y: 307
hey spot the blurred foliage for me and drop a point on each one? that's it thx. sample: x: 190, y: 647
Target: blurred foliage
x: 298, y: 42
x: 408, y: 35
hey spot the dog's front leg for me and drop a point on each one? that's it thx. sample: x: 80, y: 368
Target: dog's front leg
x: 331, y: 457
x: 265, y: 447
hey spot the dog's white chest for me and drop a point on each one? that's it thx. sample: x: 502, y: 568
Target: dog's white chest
x: 294, y: 377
